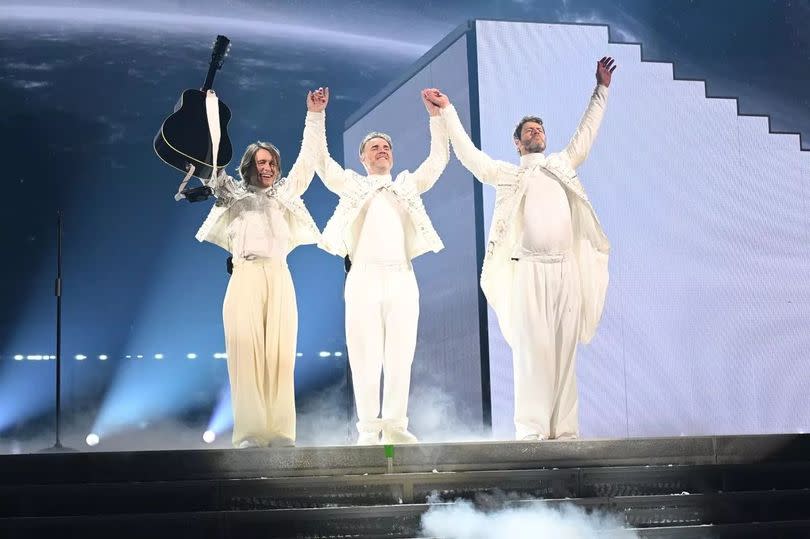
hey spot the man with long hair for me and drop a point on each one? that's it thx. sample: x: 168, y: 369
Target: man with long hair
x: 259, y: 220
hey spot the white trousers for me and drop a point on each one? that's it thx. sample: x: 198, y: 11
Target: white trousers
x: 545, y: 315
x: 261, y: 326
x: 382, y: 314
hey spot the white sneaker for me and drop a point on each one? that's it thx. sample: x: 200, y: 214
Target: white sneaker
x: 368, y: 438
x: 281, y: 441
x: 248, y: 443
x: 398, y: 436
x: 532, y: 438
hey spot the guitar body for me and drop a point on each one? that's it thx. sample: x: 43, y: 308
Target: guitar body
x: 184, y: 139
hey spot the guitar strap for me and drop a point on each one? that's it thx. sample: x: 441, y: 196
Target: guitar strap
x: 212, y: 114
x: 212, y: 111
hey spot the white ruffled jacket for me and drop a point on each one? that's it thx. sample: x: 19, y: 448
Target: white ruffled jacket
x: 287, y: 191
x: 591, y: 246
x: 354, y: 190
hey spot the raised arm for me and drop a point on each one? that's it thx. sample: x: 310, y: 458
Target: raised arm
x: 303, y: 170
x: 429, y: 171
x: 332, y: 175
x: 579, y: 147
x: 480, y: 164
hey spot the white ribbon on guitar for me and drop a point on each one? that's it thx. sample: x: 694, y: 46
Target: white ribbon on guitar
x: 212, y: 113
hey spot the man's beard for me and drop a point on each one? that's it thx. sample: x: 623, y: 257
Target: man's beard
x: 534, y: 147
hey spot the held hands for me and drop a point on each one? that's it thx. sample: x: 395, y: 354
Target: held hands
x: 434, y: 100
x: 604, y: 70
x: 432, y: 109
x: 317, y: 100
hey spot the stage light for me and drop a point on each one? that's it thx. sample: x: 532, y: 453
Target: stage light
x: 209, y: 437
x: 220, y: 355
x: 222, y: 416
x: 80, y: 357
x: 324, y: 354
x: 34, y: 357
x: 92, y: 439
x: 129, y: 357
x: 139, y: 356
x: 102, y: 357
x: 158, y: 356
x: 299, y: 354
x: 18, y: 357
x: 191, y: 356
x: 338, y: 354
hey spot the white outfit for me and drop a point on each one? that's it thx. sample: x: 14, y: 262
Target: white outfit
x: 260, y: 317
x: 259, y: 227
x: 546, y: 217
x: 381, y: 230
x: 545, y: 269
x: 382, y: 225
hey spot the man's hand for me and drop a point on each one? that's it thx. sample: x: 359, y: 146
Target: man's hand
x: 317, y: 100
x: 435, y: 97
x: 604, y: 71
x: 432, y: 109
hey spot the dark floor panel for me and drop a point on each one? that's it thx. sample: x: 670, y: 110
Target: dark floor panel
x: 282, y: 462
x: 404, y: 520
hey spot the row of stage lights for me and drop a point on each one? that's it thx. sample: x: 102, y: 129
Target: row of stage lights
x: 93, y: 439
x: 191, y: 355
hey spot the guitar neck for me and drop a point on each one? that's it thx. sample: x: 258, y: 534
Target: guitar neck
x: 221, y: 48
x: 209, y: 79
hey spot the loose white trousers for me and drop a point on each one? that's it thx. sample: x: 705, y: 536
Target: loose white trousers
x: 545, y: 315
x: 261, y: 326
x: 382, y: 314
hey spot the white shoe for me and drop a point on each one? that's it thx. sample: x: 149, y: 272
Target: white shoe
x: 369, y: 432
x: 248, y: 443
x: 368, y: 438
x: 532, y: 438
x: 398, y: 436
x: 281, y: 441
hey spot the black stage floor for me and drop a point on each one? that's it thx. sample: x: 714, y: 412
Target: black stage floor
x: 714, y: 486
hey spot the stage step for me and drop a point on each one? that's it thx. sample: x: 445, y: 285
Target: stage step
x: 390, y: 489
x: 133, y: 466
x: 654, y: 516
x: 682, y: 487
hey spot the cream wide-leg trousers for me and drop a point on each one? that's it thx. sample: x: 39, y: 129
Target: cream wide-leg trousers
x: 382, y: 314
x: 261, y: 326
x: 545, y: 316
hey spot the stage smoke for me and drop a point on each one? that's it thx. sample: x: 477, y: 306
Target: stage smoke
x: 523, y: 520
x: 435, y: 417
x: 323, y: 418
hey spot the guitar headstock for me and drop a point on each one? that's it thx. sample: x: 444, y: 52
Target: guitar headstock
x: 221, y: 48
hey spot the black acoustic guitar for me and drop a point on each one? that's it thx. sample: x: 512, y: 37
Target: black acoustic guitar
x: 184, y: 139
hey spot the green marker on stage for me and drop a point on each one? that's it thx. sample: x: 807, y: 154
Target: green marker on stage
x: 389, y: 457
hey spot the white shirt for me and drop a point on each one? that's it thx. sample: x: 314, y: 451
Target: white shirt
x: 259, y: 229
x: 381, y: 237
x: 546, y: 215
